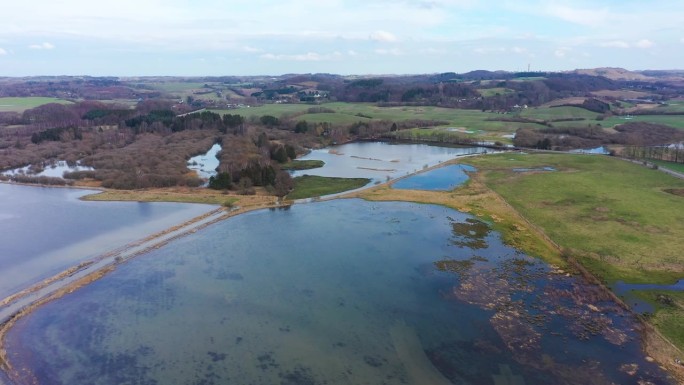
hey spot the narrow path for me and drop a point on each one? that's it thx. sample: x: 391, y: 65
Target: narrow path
x: 14, y: 304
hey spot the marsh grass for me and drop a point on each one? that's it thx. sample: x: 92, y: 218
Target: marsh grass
x: 613, y: 215
x: 309, y: 186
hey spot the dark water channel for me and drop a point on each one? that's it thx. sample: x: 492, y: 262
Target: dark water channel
x: 338, y: 292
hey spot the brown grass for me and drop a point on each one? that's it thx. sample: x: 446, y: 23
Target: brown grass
x: 184, y: 195
x: 478, y: 200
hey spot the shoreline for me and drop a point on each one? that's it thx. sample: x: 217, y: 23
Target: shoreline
x: 21, y: 304
x: 476, y: 199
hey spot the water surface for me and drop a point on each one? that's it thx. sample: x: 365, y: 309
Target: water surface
x: 441, y: 179
x: 338, y: 292
x: 46, y: 230
x: 380, y: 161
x: 205, y: 165
x: 55, y: 170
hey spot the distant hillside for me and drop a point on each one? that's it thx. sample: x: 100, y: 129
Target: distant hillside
x: 613, y: 73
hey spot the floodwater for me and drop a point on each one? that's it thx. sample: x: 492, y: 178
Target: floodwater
x: 47, y: 230
x: 597, y: 151
x: 381, y: 161
x: 336, y: 292
x: 55, y: 170
x: 441, y: 179
x: 205, y: 165
x: 626, y: 290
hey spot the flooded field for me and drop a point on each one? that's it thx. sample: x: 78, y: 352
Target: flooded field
x: 380, y: 161
x: 338, y: 292
x: 442, y: 179
x: 46, y: 230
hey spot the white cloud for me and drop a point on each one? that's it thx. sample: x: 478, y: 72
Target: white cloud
x: 588, y: 17
x: 489, y: 50
x: 644, y: 43
x: 393, y: 51
x: 2, y: 52
x: 562, y: 52
x: 351, y: 52
x: 309, y: 56
x: 519, y: 50
x: 252, y: 49
x: 44, y: 45
x: 383, y: 36
x: 681, y: 40
x: 433, y: 51
x: 615, y: 44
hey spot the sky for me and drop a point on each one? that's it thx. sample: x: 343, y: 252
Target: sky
x: 258, y: 37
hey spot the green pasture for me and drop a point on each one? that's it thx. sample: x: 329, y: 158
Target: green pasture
x: 679, y: 167
x: 348, y: 113
x: 309, y: 186
x: 22, y: 104
x: 489, y: 92
x: 612, y: 215
x: 552, y: 113
x: 668, y: 315
x: 178, y: 87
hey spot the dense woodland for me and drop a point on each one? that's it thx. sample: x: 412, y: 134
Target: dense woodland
x: 136, y: 136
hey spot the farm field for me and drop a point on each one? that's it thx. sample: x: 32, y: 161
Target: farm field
x: 478, y: 122
x: 613, y: 216
x: 22, y: 104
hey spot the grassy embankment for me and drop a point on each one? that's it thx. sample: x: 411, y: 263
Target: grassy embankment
x: 309, y: 186
x: 614, y: 217
x: 22, y: 104
x: 184, y: 195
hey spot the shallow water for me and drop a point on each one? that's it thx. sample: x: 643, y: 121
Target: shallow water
x: 46, y: 230
x: 598, y: 150
x: 380, y: 161
x: 205, y: 165
x: 443, y: 179
x: 55, y: 170
x: 338, y: 292
x: 626, y: 290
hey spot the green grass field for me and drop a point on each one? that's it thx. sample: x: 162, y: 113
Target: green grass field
x: 679, y: 167
x: 614, y: 216
x: 489, y: 92
x: 302, y: 164
x: 668, y: 316
x: 487, y: 126
x: 309, y: 186
x: 348, y: 113
x: 23, y: 104
x: 551, y: 113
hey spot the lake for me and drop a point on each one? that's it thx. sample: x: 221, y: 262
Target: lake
x: 440, y: 179
x: 54, y: 170
x: 205, y: 165
x: 336, y: 292
x: 46, y: 230
x: 380, y: 161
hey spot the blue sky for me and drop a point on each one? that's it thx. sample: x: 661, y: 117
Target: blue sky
x: 212, y: 37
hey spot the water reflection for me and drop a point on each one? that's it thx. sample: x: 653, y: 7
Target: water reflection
x: 406, y: 294
x: 381, y: 161
x: 443, y: 178
x: 46, y: 230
